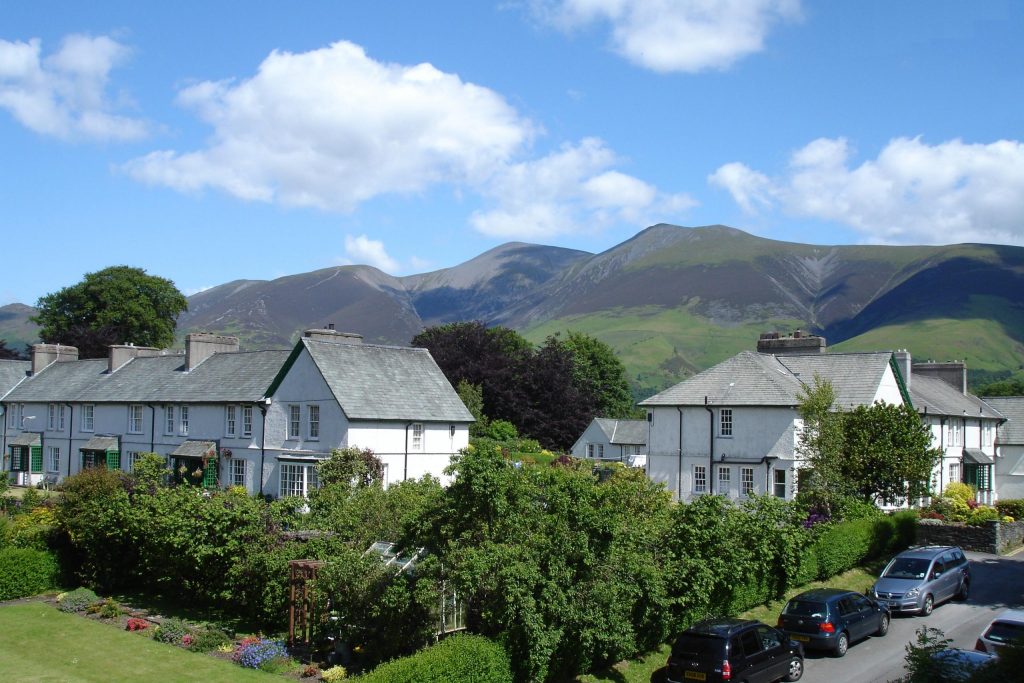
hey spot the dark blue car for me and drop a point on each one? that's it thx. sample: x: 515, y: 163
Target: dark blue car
x: 831, y: 619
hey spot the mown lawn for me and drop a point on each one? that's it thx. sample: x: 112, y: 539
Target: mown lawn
x: 40, y: 643
x: 646, y: 669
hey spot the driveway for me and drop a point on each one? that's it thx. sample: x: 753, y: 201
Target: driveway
x: 997, y: 583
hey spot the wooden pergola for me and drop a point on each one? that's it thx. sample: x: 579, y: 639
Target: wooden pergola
x: 302, y: 602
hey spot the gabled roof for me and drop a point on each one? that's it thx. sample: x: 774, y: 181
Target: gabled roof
x: 628, y: 432
x: 375, y: 382
x: 223, y: 377
x: 747, y: 378
x: 12, y: 372
x: 758, y: 379
x: 936, y: 397
x: 1012, y: 408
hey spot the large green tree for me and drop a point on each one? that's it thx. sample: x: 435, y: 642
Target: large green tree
x: 599, y: 370
x: 116, y: 305
x: 875, y: 453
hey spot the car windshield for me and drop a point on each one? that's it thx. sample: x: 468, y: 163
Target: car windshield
x: 907, y: 568
x: 805, y: 608
x: 1004, y: 632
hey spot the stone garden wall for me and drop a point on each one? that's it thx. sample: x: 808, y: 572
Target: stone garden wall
x: 991, y: 537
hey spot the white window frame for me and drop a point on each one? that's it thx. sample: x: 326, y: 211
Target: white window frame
x: 313, y: 421
x: 986, y: 434
x: 169, y: 421
x: 246, y: 420
x: 230, y: 420
x: 725, y: 422
x: 51, y: 417
x: 747, y: 487
x: 53, y: 458
x: 183, y: 424
x: 135, y: 418
x: 590, y: 451
x: 236, y: 471
x: 297, y: 479
x: 776, y: 483
x: 21, y: 416
x: 954, y: 472
x: 416, y: 437
x: 133, y: 457
x: 700, y: 479
x: 294, y: 421
x: 88, y: 418
x: 724, y: 482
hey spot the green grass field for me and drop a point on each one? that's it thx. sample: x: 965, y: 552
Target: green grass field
x: 643, y: 669
x: 40, y: 643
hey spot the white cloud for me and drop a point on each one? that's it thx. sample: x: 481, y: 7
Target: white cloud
x: 676, y: 35
x: 332, y: 128
x: 362, y: 249
x: 64, y: 95
x: 571, y: 190
x: 911, y: 193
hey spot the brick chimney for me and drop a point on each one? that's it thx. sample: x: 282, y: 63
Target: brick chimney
x: 952, y: 372
x: 119, y: 354
x: 201, y: 345
x: 45, y: 354
x: 798, y: 342
x: 329, y: 334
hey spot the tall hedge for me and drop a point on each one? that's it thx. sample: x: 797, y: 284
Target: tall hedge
x: 458, y: 659
x: 25, y: 572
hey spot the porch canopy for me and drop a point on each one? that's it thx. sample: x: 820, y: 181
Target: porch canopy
x: 195, y: 449
x: 101, y: 451
x: 27, y: 439
x: 975, y: 456
x: 101, y: 443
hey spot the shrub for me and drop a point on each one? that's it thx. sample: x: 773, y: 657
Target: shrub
x: 172, y: 631
x: 25, y: 571
x: 458, y: 659
x: 105, y: 609
x: 209, y: 639
x: 1011, y: 507
x: 982, y: 514
x: 334, y: 674
x: 33, y: 529
x: 136, y: 624
x: 958, y: 491
x: 77, y: 600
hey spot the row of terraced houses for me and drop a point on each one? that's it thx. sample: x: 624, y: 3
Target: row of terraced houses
x: 222, y: 417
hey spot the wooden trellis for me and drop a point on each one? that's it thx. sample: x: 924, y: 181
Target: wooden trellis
x: 302, y: 602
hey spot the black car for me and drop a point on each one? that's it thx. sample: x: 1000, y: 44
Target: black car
x: 734, y: 650
x: 831, y: 619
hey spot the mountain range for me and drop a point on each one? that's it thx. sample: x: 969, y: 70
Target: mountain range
x: 671, y: 300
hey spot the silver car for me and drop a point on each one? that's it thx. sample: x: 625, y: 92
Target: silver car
x: 918, y: 579
x: 1004, y: 629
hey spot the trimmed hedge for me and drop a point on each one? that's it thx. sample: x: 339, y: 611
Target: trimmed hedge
x: 841, y: 547
x: 458, y: 659
x: 25, y: 572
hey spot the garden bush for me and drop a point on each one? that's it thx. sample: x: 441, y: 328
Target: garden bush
x: 261, y: 653
x: 458, y: 659
x: 33, y: 529
x: 208, y: 639
x: 77, y: 600
x: 334, y: 674
x: 172, y: 631
x: 1011, y: 507
x: 26, y: 571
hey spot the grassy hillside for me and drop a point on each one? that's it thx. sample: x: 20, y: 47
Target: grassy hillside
x: 659, y: 346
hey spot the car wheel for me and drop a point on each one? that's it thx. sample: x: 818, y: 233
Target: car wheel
x: 796, y: 669
x: 883, y: 625
x: 842, y: 644
x: 929, y: 605
x: 965, y: 589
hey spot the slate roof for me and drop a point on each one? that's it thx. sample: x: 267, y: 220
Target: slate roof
x: 374, y: 382
x: 631, y: 432
x: 27, y: 439
x: 12, y: 372
x: 194, y: 449
x: 1012, y: 408
x: 223, y: 377
x: 977, y: 456
x: 101, y: 443
x: 941, y: 398
x: 760, y: 379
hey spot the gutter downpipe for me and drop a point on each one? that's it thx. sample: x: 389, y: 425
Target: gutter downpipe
x: 679, y: 475
x: 71, y: 431
x: 711, y: 446
x: 152, y: 428
x: 262, y: 407
x: 405, y: 465
x: 3, y: 455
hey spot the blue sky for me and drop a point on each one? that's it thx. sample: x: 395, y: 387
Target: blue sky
x: 207, y: 142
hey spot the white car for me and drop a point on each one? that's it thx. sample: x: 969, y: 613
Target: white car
x: 1006, y: 627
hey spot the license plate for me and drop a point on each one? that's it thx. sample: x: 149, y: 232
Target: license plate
x: 695, y: 676
x: 802, y: 639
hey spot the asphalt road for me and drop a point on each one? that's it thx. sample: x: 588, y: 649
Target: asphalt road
x: 996, y: 584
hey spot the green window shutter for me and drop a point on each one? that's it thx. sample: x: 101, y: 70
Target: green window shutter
x: 113, y: 460
x: 37, y: 458
x: 16, y: 459
x: 210, y: 475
